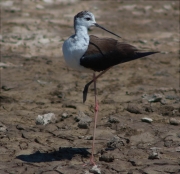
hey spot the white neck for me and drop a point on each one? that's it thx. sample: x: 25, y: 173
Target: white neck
x: 81, y: 31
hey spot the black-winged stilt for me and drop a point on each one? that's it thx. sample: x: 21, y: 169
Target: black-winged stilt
x: 90, y: 54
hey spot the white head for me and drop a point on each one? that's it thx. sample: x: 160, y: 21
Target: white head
x: 87, y: 19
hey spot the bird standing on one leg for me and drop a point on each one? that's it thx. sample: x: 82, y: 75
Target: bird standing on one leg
x: 90, y: 54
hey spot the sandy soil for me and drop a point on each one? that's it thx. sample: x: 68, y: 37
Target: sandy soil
x: 36, y: 81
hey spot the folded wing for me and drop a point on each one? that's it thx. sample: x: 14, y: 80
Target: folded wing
x: 103, y: 53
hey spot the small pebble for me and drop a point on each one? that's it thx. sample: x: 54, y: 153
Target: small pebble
x: 155, y: 98
x: 178, y: 134
x: 84, y: 120
x: 64, y: 115
x: 48, y: 1
x: 167, y: 7
x: 116, y: 142
x: 3, y: 128
x: 95, y: 170
x: 83, y: 116
x: 45, y: 119
x: 7, y: 3
x: 89, y: 137
x: 80, y: 137
x: 154, y: 154
x: 44, y: 40
x: 178, y: 149
x: 134, y: 109
x: 83, y: 124
x: 174, y: 121
x: 107, y: 157
x: 146, y: 119
x: 113, y: 119
x: 38, y: 6
x: 168, y: 143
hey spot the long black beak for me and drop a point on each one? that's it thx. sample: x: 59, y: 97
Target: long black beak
x: 97, y: 25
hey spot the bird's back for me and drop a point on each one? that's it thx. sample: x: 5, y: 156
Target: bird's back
x: 103, y: 53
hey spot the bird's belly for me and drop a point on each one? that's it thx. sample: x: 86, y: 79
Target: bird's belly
x: 72, y: 54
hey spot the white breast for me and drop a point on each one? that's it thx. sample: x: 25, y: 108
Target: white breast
x: 73, y: 49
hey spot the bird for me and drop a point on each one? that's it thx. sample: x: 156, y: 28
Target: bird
x: 93, y: 54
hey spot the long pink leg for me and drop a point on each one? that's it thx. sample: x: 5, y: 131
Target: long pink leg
x: 95, y: 119
x: 87, y: 85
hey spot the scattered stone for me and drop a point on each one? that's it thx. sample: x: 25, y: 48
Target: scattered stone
x: 177, y: 149
x: 142, y: 41
x: 127, y: 7
x: 163, y: 102
x: 21, y: 127
x: 155, y: 98
x: 116, y: 142
x: 178, y: 134
x: 82, y: 116
x: 40, y: 7
x: 107, y: 157
x: 44, y: 40
x: 4, y: 65
x: 95, y: 170
x: 80, y: 137
x: 146, y: 119
x: 3, y: 128
x: 113, y: 119
x: 64, y: 115
x: 89, y: 137
x: 168, y: 143
x: 41, y: 82
x: 154, y: 154
x: 7, y: 3
x: 134, y: 109
x: 48, y: 1
x: 167, y: 7
x: 174, y: 121
x: 45, y: 119
x: 84, y: 120
x: 147, y: 7
x: 83, y: 124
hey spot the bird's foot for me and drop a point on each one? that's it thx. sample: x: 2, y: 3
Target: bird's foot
x: 91, y: 162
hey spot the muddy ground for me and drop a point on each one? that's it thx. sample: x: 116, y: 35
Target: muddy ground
x: 36, y: 81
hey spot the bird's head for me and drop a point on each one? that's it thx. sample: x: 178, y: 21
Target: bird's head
x: 84, y: 18
x: 87, y: 19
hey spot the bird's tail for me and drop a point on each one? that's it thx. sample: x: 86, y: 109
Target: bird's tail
x: 143, y: 54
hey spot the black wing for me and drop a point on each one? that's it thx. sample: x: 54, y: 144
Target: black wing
x: 103, y: 53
